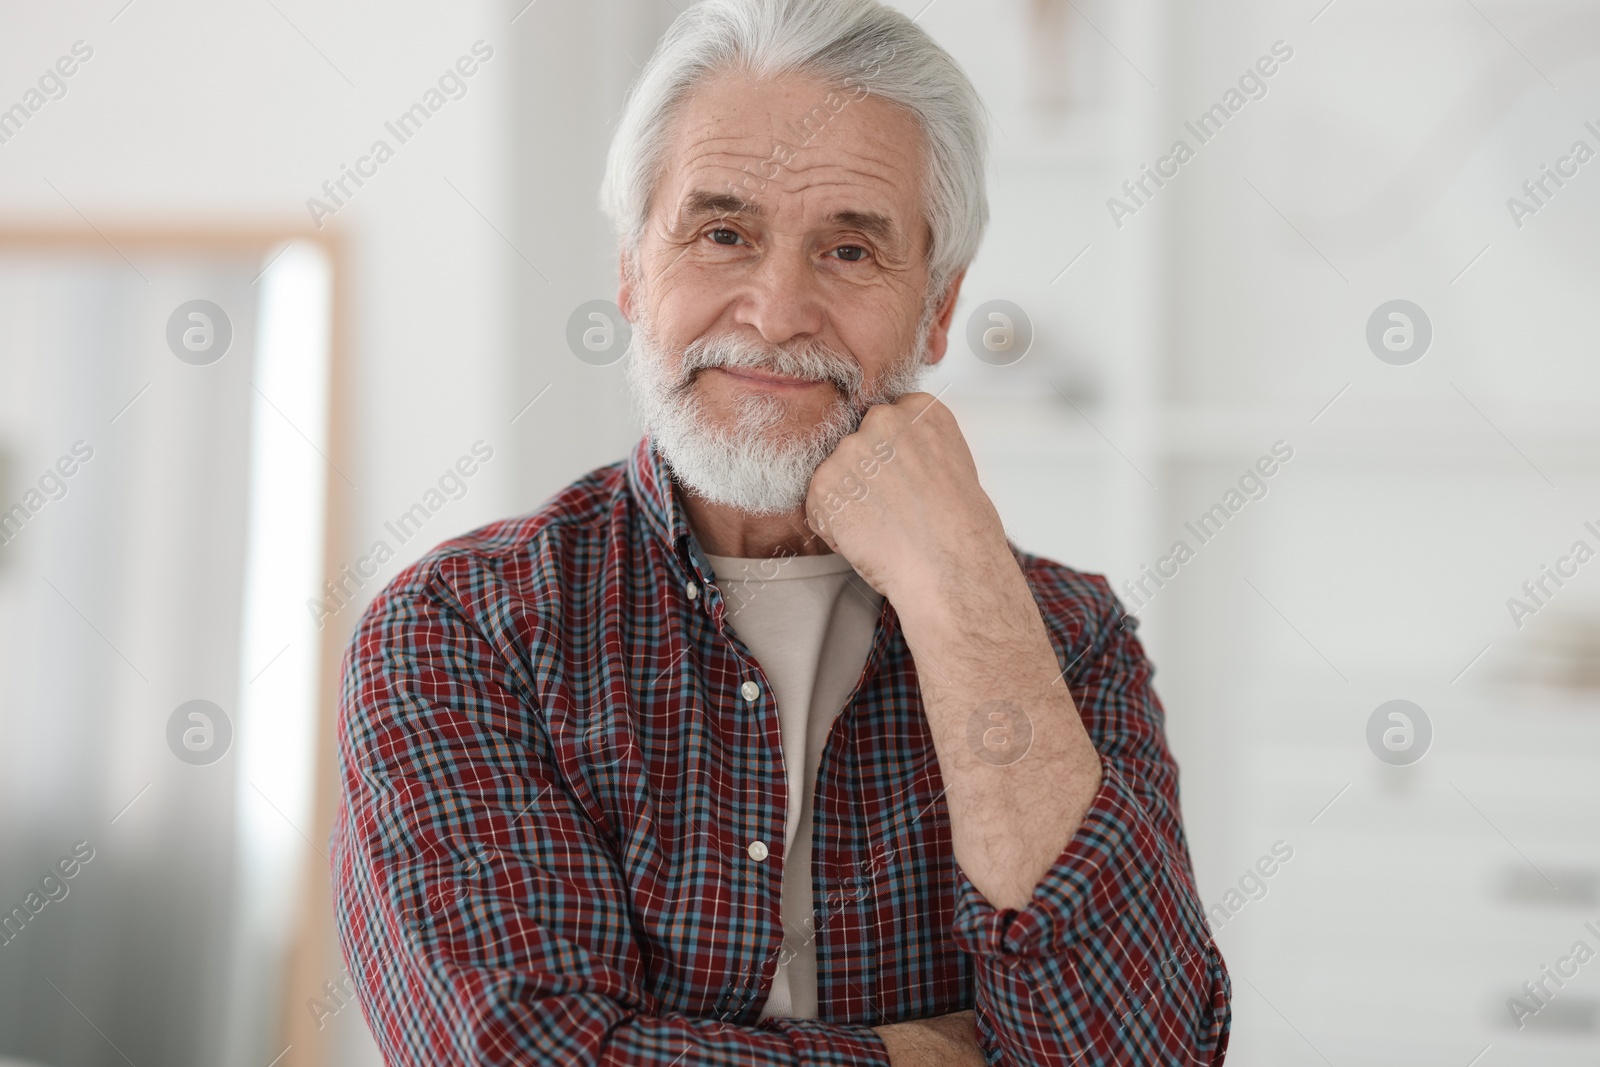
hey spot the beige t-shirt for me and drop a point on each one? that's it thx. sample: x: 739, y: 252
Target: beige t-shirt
x: 809, y: 622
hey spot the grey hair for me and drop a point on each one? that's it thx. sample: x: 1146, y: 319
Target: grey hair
x: 858, y: 45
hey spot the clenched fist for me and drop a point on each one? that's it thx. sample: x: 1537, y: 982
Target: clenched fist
x: 900, y: 500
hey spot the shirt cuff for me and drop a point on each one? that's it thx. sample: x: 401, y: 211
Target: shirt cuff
x: 820, y: 1044
x: 1102, y: 870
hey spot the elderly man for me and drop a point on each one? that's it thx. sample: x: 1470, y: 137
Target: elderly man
x: 766, y: 746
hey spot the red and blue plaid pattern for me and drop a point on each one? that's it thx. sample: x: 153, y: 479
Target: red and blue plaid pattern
x: 552, y: 773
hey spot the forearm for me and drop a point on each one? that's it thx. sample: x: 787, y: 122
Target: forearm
x: 1018, y: 767
x: 946, y: 1041
x: 1108, y: 959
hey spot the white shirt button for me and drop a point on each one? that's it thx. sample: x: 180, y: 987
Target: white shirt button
x: 692, y: 590
x: 750, y: 691
x: 757, y: 850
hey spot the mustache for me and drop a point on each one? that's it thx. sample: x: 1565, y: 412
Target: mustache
x: 812, y: 360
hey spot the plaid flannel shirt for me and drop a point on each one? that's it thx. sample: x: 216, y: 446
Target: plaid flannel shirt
x: 553, y: 768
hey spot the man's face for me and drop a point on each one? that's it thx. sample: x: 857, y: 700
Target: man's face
x: 782, y: 282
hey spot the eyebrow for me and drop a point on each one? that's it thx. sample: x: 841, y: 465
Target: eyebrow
x: 871, y: 223
x: 701, y: 203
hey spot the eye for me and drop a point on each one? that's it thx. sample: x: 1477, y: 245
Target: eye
x: 851, y: 253
x: 724, y: 236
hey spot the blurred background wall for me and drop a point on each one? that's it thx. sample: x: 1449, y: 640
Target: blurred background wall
x: 1183, y: 332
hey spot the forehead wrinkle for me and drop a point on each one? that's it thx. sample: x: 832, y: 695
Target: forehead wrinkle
x: 707, y: 140
x: 711, y: 136
x: 717, y: 160
x: 713, y: 142
x: 703, y: 184
x: 884, y: 174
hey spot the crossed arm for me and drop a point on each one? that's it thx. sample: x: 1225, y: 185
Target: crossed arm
x: 506, y: 962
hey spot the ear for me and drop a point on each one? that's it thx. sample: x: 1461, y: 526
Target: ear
x: 624, y: 285
x: 939, y: 332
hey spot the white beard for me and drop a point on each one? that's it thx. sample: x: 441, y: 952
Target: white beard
x: 755, y: 465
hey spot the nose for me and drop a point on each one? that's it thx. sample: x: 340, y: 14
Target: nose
x: 782, y: 300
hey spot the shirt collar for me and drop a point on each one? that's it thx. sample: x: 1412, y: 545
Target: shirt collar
x: 650, y: 481
x: 656, y: 495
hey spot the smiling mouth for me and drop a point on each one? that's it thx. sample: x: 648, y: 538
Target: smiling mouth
x: 766, y: 379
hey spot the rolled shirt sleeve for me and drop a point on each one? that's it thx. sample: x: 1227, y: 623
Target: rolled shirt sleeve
x: 1112, y: 961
